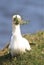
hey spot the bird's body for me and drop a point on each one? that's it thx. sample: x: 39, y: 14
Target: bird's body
x: 18, y: 44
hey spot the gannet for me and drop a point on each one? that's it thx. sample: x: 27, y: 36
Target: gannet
x: 18, y: 43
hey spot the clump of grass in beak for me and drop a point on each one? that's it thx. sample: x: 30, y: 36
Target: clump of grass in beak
x: 17, y: 20
x: 24, y: 22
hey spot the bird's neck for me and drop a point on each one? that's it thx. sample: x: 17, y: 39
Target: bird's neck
x: 16, y: 30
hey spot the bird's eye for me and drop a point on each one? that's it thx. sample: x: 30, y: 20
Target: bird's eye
x: 14, y: 19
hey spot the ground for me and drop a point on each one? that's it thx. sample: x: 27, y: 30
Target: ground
x: 33, y: 57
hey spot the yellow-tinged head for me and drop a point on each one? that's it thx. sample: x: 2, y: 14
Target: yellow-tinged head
x: 16, y: 19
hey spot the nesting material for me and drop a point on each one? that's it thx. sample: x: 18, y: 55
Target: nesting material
x: 18, y: 44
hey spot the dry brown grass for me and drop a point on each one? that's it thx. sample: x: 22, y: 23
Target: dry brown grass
x: 34, y: 57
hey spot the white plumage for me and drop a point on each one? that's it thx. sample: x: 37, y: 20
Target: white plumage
x: 18, y: 44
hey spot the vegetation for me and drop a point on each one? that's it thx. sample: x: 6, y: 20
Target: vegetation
x: 33, y: 57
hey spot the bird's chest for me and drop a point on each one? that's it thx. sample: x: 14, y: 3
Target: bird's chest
x: 17, y: 43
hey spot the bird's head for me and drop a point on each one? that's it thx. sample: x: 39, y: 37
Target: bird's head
x: 16, y: 19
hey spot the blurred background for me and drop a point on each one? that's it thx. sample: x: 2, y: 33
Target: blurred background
x: 31, y: 10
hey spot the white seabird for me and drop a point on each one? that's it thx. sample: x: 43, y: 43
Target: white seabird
x: 18, y: 44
